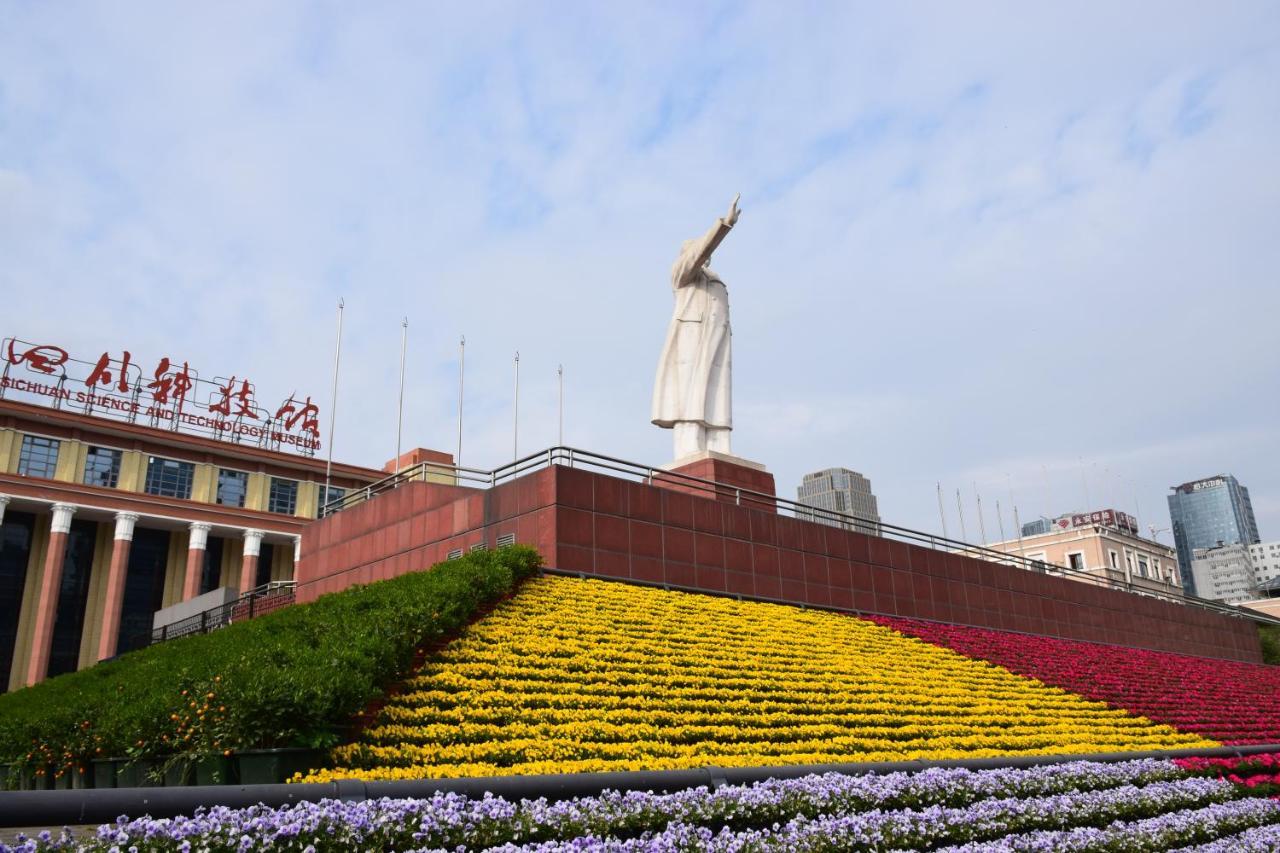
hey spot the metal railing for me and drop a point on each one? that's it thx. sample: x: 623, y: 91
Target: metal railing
x: 585, y: 459
x: 256, y: 602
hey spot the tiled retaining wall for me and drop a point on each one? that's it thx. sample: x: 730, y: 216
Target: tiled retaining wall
x: 600, y: 525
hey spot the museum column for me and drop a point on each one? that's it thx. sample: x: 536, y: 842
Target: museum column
x: 47, y: 600
x: 113, y: 597
x: 249, y: 566
x: 195, y: 559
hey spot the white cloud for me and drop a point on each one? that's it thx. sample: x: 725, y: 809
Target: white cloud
x: 972, y: 235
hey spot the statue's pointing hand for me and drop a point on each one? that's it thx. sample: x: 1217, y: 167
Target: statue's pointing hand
x: 731, y: 218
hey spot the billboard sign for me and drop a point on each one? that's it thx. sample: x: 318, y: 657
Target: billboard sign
x: 1103, y: 517
x: 169, y: 396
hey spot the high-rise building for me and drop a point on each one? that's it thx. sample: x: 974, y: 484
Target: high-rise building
x: 1207, y: 513
x: 843, y: 491
x: 1266, y: 562
x: 1224, y: 573
x: 1039, y: 527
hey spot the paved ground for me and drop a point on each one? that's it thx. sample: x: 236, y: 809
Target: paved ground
x: 9, y: 836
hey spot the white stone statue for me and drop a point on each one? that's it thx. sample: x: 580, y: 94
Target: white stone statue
x: 693, y: 393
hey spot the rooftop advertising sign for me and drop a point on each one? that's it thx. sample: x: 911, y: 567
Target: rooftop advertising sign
x: 1105, y: 517
x: 171, y: 396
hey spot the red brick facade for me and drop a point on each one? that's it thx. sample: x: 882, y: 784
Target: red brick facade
x: 600, y: 525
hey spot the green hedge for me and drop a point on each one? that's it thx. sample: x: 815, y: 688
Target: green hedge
x: 292, y: 678
x: 1270, y: 636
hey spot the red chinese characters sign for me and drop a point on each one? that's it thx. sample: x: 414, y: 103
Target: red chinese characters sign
x: 1104, y: 517
x: 172, y: 395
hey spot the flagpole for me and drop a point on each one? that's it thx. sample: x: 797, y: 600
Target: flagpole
x: 942, y: 515
x: 515, y: 415
x: 333, y: 404
x: 462, y: 360
x: 982, y: 526
x: 404, y: 346
x: 560, y: 377
x: 1017, y: 522
x: 964, y: 536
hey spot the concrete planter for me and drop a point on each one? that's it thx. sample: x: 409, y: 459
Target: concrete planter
x: 216, y: 770
x: 270, y: 766
x: 139, y: 773
x: 104, y: 772
x: 179, y: 773
x: 82, y: 778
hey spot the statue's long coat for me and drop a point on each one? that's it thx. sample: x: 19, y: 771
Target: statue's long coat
x: 693, y: 382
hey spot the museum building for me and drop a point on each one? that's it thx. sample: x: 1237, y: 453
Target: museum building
x: 105, y: 522
x: 120, y: 497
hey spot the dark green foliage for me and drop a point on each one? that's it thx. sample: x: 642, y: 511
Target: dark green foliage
x: 1270, y: 637
x: 291, y: 678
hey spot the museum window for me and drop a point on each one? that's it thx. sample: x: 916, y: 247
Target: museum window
x: 233, y: 486
x: 283, y: 497
x: 331, y: 494
x: 266, y: 559
x: 169, y: 478
x: 211, y: 571
x: 73, y: 595
x: 102, y: 467
x: 39, y: 456
x: 143, y: 587
x: 17, y: 534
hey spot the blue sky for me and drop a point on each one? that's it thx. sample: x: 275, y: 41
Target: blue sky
x: 1031, y: 249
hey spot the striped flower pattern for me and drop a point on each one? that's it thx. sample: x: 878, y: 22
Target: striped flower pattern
x: 581, y: 675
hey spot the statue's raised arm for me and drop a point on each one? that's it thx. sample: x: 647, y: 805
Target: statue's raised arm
x: 693, y: 394
x: 695, y: 254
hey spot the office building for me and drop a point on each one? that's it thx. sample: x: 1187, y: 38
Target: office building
x: 1266, y: 562
x: 842, y: 491
x: 1206, y: 513
x: 1224, y: 573
x: 1039, y: 527
x: 1103, y: 544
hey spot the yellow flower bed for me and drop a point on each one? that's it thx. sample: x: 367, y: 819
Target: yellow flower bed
x: 582, y: 675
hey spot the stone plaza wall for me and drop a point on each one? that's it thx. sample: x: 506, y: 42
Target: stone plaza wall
x: 599, y: 525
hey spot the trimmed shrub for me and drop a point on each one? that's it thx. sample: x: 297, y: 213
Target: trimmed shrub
x: 1270, y: 638
x: 291, y: 678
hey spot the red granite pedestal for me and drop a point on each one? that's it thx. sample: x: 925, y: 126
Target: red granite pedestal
x: 738, y: 481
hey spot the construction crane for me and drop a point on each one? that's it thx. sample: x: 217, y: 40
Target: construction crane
x: 1155, y: 532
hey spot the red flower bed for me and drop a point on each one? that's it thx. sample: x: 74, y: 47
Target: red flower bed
x: 1259, y: 774
x: 1226, y: 701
